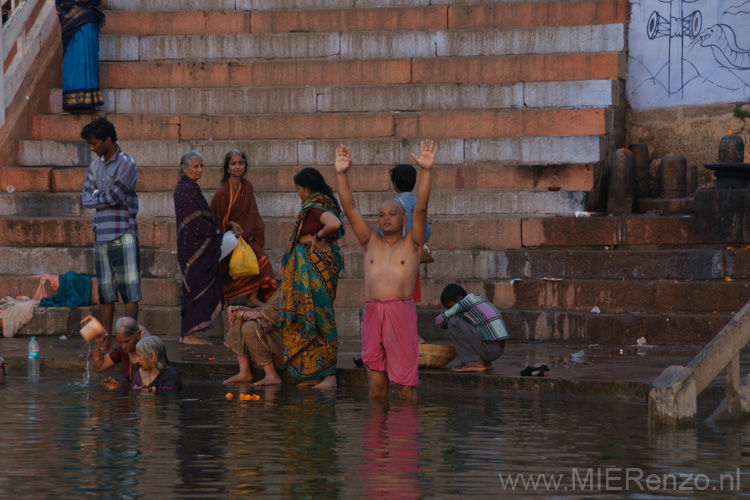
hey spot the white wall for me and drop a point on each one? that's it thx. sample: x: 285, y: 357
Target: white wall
x: 704, y: 60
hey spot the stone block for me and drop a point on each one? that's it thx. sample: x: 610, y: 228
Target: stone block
x: 387, y: 45
x: 262, y: 5
x: 176, y: 23
x: 576, y: 94
x: 517, y: 68
x: 265, y: 46
x: 119, y: 48
x: 420, y: 97
x: 576, y: 295
x: 497, y: 124
x: 709, y: 297
x: 378, y: 151
x: 342, y: 20
x: 25, y: 179
x: 579, y: 264
x: 44, y: 153
x: 300, y: 73
x: 169, y: 5
x: 164, y: 75
x: 308, y: 126
x: 41, y: 204
x: 543, y: 40
x: 513, y: 15
x: 582, y: 149
x: 212, y: 101
x: 610, y: 231
x: 134, y: 127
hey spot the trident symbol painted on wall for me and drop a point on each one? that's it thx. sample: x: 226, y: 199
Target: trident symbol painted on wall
x: 676, y: 28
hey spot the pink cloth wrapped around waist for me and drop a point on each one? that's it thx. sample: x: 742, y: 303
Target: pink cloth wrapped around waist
x: 390, y: 339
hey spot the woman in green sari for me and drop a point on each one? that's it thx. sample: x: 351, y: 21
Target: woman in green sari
x: 311, y: 270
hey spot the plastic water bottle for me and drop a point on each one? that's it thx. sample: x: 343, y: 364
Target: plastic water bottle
x: 33, y: 359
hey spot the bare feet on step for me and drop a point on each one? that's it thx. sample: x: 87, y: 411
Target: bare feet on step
x: 308, y: 383
x: 268, y: 381
x: 327, y: 383
x: 240, y: 377
x: 192, y: 339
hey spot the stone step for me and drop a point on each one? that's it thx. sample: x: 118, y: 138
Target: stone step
x: 623, y: 328
x: 297, y: 73
x: 364, y: 19
x: 275, y: 5
x: 479, y: 232
x: 522, y: 325
x: 363, y: 98
x: 451, y: 202
x: 494, y: 265
x: 609, y: 296
x: 572, y: 177
x: 342, y: 126
x: 321, y: 152
x: 366, y: 44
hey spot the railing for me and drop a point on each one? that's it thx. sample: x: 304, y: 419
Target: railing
x: 673, y: 396
x: 23, y: 32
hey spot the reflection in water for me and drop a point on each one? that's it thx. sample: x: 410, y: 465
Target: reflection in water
x: 391, y: 452
x: 60, y: 439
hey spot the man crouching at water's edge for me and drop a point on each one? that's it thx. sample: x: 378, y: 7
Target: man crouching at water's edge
x: 389, y: 329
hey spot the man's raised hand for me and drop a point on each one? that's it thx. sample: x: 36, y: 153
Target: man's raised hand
x: 427, y: 150
x: 343, y: 159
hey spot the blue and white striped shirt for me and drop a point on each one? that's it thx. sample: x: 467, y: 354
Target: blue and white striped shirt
x: 110, y: 189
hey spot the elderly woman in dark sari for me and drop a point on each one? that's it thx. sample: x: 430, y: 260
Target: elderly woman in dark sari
x: 310, y: 276
x: 198, y: 251
x: 80, y: 21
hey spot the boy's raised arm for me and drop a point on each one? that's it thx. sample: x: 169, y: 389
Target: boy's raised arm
x: 360, y: 227
x: 426, y: 160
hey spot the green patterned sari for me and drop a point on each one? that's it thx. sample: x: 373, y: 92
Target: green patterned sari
x: 306, y: 315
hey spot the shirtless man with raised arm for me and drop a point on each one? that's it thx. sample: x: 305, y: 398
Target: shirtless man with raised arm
x: 389, y: 331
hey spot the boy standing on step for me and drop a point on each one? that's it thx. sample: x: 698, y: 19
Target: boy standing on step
x: 389, y: 330
x: 110, y: 189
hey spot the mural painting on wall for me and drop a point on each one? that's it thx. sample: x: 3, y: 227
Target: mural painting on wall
x: 684, y: 52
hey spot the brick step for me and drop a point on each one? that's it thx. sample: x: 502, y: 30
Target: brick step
x: 364, y: 19
x: 572, y: 177
x: 361, y: 98
x: 478, y: 232
x: 366, y: 44
x: 321, y: 152
x: 294, y: 73
x: 270, y: 204
x: 522, y: 325
x: 571, y: 266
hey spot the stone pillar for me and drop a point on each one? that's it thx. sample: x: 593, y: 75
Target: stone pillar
x: 673, y: 176
x: 621, y: 183
x: 640, y: 155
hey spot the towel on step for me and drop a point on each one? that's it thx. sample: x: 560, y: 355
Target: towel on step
x: 16, y: 316
x: 74, y: 291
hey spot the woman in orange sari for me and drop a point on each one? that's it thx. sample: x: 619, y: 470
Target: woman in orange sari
x: 235, y: 209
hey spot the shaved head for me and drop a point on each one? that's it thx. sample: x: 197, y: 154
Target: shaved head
x: 393, y: 203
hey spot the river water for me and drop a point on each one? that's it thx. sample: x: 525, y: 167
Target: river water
x: 67, y: 439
